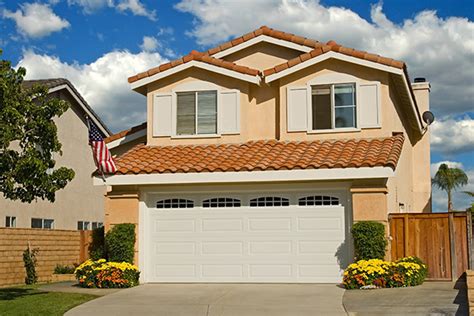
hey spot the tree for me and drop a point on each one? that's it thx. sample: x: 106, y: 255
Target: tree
x: 28, y: 139
x: 449, y: 179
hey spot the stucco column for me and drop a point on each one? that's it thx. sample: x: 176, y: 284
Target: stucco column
x: 122, y: 207
x: 370, y: 204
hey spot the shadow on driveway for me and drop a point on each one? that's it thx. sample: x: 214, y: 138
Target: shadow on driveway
x: 430, y: 298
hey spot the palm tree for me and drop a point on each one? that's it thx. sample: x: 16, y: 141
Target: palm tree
x: 449, y: 179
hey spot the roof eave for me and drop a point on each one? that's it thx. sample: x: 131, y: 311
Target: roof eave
x: 140, y: 84
x: 325, y: 174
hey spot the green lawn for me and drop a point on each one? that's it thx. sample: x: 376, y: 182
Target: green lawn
x: 28, y: 300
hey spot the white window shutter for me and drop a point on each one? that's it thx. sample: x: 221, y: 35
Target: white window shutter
x: 229, y: 112
x: 369, y: 104
x: 162, y: 114
x: 297, y: 108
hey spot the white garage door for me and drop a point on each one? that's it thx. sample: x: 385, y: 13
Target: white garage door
x: 268, y: 237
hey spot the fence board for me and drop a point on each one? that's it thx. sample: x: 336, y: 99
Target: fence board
x: 439, y: 239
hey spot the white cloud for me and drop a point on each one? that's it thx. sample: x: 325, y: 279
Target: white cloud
x: 440, y: 49
x: 461, y: 201
x: 149, y: 44
x: 134, y: 6
x: 36, y: 20
x: 103, y: 82
x: 137, y: 8
x: 450, y: 137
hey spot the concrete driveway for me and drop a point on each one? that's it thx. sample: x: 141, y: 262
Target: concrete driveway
x: 219, y: 299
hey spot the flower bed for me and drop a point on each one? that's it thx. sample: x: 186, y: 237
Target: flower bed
x: 376, y: 273
x: 103, y: 274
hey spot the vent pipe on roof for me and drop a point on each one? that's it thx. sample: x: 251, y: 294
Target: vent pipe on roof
x: 420, y: 79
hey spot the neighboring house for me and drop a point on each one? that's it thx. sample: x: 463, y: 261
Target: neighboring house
x: 80, y: 205
x: 261, y: 153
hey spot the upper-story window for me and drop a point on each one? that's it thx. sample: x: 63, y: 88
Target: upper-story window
x: 333, y: 106
x: 196, y: 113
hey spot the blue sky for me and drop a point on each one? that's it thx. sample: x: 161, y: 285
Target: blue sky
x: 98, y: 43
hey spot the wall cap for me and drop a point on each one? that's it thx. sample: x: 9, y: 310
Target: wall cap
x: 369, y: 190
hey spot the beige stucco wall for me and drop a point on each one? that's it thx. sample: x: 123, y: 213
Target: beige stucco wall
x: 262, y: 56
x: 121, y: 206
x: 80, y: 200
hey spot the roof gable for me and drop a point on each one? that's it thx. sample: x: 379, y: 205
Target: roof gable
x: 56, y: 84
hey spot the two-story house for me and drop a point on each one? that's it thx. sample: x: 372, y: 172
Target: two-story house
x: 80, y: 205
x: 262, y: 152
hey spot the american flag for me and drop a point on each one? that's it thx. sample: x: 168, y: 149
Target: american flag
x: 102, y: 157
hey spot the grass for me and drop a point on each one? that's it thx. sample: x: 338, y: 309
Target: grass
x: 28, y: 300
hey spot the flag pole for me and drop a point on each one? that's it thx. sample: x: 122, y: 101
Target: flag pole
x: 92, y: 150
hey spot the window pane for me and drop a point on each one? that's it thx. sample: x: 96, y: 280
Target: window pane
x: 13, y: 221
x: 79, y: 226
x: 186, y: 113
x: 344, y: 95
x: 48, y: 223
x: 207, y: 112
x: 86, y: 225
x: 321, y: 107
x: 94, y: 225
x: 36, y: 223
x: 345, y: 117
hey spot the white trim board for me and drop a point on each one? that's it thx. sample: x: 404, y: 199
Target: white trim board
x: 259, y: 39
x: 198, y: 64
x: 334, y: 55
x: 127, y: 138
x: 249, y: 176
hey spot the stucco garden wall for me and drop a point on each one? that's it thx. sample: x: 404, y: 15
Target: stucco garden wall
x: 66, y: 247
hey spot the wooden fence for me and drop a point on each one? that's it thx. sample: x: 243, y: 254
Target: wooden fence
x: 66, y: 247
x: 441, y: 240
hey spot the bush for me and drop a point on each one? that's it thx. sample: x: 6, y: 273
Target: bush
x: 120, y: 243
x: 29, y: 260
x: 63, y: 269
x: 377, y: 273
x: 369, y: 240
x: 103, y: 274
x: 97, y: 245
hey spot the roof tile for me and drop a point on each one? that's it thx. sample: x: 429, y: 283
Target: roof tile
x: 262, y: 155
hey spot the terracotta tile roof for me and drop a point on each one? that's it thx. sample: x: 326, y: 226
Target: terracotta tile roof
x: 319, y: 48
x: 265, y: 30
x: 198, y: 56
x: 262, y: 155
x: 126, y: 132
x: 333, y: 46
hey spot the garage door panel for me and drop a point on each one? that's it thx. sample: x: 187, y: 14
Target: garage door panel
x: 175, y: 248
x: 222, y: 225
x: 222, y: 248
x: 178, y: 225
x: 270, y: 247
x: 318, y: 247
x: 319, y: 224
x: 269, y: 224
x: 222, y: 270
x: 270, y: 270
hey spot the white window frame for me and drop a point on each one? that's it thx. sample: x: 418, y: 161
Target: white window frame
x: 10, y: 221
x: 332, y: 79
x: 194, y: 86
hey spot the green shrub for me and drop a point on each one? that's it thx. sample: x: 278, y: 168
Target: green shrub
x: 377, y: 273
x: 64, y: 269
x: 120, y: 243
x: 97, y: 245
x: 29, y: 260
x: 369, y: 240
x: 103, y: 274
